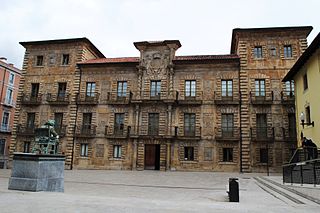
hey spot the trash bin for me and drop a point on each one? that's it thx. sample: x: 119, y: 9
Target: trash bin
x: 233, y: 190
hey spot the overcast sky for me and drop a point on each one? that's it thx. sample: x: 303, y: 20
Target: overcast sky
x: 202, y: 26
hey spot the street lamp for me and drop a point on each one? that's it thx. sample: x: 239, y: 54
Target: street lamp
x: 302, y: 119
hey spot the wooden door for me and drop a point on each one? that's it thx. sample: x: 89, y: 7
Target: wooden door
x: 149, y: 156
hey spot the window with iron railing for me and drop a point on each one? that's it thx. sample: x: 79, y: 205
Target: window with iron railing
x: 260, y: 88
x: 190, y: 88
x: 226, y: 89
x: 35, y: 90
x: 290, y: 88
x: 227, y: 125
x: 189, y: 124
x: 26, y: 147
x: 155, y: 90
x: 90, y: 89
x: 261, y: 124
x: 30, y: 120
x: 121, y: 89
x: 62, y: 88
x: 119, y: 124
x: 153, y: 124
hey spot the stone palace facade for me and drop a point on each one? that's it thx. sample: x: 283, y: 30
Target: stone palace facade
x: 161, y: 111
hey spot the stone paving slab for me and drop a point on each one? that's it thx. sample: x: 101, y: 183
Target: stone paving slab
x: 145, y: 191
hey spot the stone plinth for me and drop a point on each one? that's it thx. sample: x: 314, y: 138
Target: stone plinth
x: 37, y: 172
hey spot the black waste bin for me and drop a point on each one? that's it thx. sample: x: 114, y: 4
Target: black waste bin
x: 233, y: 190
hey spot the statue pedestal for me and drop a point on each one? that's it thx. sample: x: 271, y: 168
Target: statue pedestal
x: 37, y: 172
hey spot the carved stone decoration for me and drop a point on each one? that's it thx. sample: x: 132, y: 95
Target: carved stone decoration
x: 156, y: 64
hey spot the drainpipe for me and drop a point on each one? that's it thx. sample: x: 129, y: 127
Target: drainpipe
x: 75, y: 123
x: 240, y: 103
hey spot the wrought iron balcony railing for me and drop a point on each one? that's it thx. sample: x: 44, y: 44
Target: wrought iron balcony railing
x: 261, y: 97
x: 25, y: 130
x: 61, y: 130
x: 225, y: 98
x: 227, y: 133
x: 90, y: 99
x: 262, y: 134
x: 194, y: 98
x: 188, y: 132
x: 86, y: 131
x: 119, y: 98
x: 28, y: 99
x: 289, y: 134
x: 117, y: 131
x: 58, y: 99
x: 287, y: 97
x: 147, y: 96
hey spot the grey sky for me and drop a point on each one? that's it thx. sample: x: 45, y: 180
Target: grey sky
x: 202, y: 26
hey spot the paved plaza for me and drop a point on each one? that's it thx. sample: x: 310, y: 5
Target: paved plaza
x: 154, y: 191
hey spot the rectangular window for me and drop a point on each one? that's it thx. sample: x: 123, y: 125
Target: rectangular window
x: 308, y: 115
x: 26, y: 147
x: 226, y: 87
x: 290, y: 88
x: 90, y: 89
x: 65, y: 59
x: 190, y: 88
x: 189, y: 124
x: 261, y: 124
x: 153, y: 125
x: 305, y: 81
x: 2, y: 146
x: 35, y: 90
x: 189, y: 153
x: 5, y: 121
x: 62, y: 88
x: 86, y: 123
x: 227, y: 154
x: 263, y: 156
x: 273, y: 51
x: 258, y: 52
x: 84, y: 150
x: 121, y: 89
x: 39, y: 61
x: 155, y: 90
x: 117, y: 151
x: 260, y: 88
x: 58, y: 118
x: 30, y: 120
x: 11, y: 78
x: 227, y: 125
x: 287, y: 51
x: 292, y: 125
x: 119, y: 123
x: 9, y: 96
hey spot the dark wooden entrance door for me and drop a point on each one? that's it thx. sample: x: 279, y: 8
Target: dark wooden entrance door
x: 152, y: 157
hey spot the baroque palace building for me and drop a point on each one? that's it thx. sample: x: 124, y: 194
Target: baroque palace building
x: 161, y: 111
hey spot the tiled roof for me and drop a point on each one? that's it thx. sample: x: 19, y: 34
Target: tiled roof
x: 177, y: 58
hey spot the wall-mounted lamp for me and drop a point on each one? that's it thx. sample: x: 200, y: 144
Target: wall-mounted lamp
x: 302, y: 119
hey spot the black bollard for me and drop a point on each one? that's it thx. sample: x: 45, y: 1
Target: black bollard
x: 233, y: 190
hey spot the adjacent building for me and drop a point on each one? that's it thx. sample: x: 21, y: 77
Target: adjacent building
x: 306, y: 73
x: 162, y: 111
x: 9, y: 85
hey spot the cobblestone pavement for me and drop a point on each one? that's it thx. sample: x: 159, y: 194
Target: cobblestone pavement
x: 147, y: 191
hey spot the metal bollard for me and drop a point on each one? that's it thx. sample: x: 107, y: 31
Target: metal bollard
x: 233, y: 190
